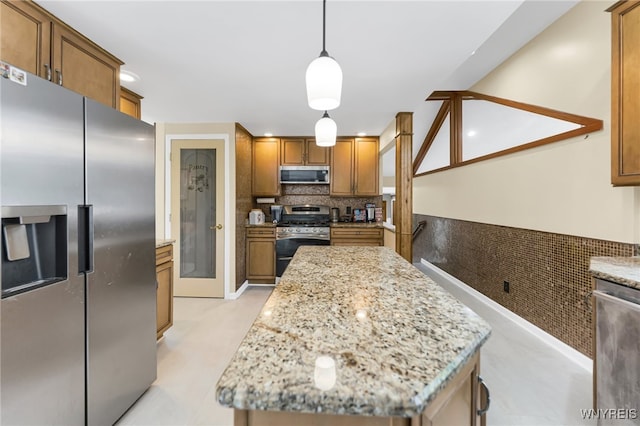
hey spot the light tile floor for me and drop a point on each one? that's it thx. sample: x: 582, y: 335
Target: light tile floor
x: 530, y: 383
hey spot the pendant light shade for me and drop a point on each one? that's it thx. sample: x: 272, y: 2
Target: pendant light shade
x: 324, y: 77
x: 324, y: 83
x: 326, y: 131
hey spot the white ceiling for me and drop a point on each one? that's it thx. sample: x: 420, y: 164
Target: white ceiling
x: 244, y: 61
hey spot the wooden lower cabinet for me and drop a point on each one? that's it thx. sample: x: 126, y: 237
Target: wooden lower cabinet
x: 261, y: 255
x: 457, y: 404
x: 357, y: 236
x: 164, y: 278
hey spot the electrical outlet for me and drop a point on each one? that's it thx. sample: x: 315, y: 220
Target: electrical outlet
x: 506, y: 286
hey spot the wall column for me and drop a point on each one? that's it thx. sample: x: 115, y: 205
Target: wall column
x: 404, y: 185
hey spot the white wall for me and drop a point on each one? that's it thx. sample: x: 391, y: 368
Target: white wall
x: 563, y: 187
x: 165, y: 130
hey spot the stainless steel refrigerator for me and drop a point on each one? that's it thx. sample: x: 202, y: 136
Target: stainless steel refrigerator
x: 78, y: 312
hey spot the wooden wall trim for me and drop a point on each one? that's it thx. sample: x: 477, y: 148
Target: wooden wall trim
x: 455, y: 99
x: 431, y: 135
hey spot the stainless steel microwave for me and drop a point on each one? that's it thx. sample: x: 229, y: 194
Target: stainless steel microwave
x: 304, y: 174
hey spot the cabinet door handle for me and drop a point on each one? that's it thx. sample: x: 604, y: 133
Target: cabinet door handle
x: 59, y: 74
x: 484, y: 390
x: 48, y: 68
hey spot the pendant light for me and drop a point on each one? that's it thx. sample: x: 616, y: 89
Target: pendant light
x: 326, y: 131
x: 324, y: 77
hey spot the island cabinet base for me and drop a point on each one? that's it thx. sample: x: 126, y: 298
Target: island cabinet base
x: 457, y: 404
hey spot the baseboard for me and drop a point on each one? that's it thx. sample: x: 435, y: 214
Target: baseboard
x: 238, y: 292
x: 566, y: 350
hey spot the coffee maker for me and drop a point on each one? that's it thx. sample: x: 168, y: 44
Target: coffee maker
x: 371, y: 212
x: 335, y: 214
x: 276, y: 213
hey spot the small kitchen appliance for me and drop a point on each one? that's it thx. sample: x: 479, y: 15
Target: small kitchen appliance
x: 276, y: 213
x: 371, y: 212
x: 335, y: 214
x: 256, y: 217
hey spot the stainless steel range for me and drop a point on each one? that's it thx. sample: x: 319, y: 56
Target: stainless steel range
x: 300, y: 225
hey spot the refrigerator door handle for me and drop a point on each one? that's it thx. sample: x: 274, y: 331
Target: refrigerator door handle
x: 85, y: 238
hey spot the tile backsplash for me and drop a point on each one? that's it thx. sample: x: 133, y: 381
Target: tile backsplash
x: 548, y: 274
x: 317, y: 194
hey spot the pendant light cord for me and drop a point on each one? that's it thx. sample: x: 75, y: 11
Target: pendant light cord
x: 324, y: 27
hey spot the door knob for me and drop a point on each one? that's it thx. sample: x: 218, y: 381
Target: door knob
x: 219, y: 226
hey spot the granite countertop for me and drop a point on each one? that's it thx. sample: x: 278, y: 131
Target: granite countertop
x: 164, y: 242
x: 620, y: 270
x: 396, y: 337
x: 355, y: 225
x: 264, y: 225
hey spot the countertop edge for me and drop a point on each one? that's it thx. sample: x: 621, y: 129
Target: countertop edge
x: 620, y: 270
x: 164, y: 242
x: 351, y: 398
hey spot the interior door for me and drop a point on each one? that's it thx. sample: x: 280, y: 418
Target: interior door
x: 197, y: 216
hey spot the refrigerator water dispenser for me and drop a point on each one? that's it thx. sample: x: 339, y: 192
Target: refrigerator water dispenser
x: 34, y: 247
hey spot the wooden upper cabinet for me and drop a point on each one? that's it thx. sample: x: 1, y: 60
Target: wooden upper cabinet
x: 625, y: 85
x: 342, y: 161
x: 367, y: 161
x: 316, y: 155
x: 292, y: 152
x: 303, y: 152
x: 130, y: 103
x: 354, y: 167
x: 265, y: 167
x: 81, y: 66
x: 26, y: 37
x: 36, y: 41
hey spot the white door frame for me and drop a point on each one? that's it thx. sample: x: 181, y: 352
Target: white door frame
x: 227, y: 196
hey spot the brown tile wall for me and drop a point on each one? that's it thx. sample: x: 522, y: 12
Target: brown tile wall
x: 548, y: 273
x: 244, y: 201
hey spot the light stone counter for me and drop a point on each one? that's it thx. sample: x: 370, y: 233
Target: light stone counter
x: 396, y: 337
x: 355, y: 224
x: 164, y: 242
x: 620, y: 270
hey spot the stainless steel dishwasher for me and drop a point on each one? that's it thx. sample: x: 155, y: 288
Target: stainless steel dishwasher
x: 617, y: 352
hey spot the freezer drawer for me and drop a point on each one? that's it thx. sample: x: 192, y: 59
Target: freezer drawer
x: 43, y: 356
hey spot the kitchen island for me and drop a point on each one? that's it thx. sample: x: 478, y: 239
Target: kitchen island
x: 357, y: 336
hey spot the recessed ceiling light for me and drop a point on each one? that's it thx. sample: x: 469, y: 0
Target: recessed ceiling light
x: 128, y: 76
x: 268, y: 134
x: 361, y: 134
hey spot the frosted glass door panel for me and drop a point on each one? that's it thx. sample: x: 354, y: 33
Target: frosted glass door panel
x: 197, y: 213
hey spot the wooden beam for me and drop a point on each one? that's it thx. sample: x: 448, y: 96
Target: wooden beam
x: 404, y: 185
x: 431, y: 135
x: 455, y: 121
